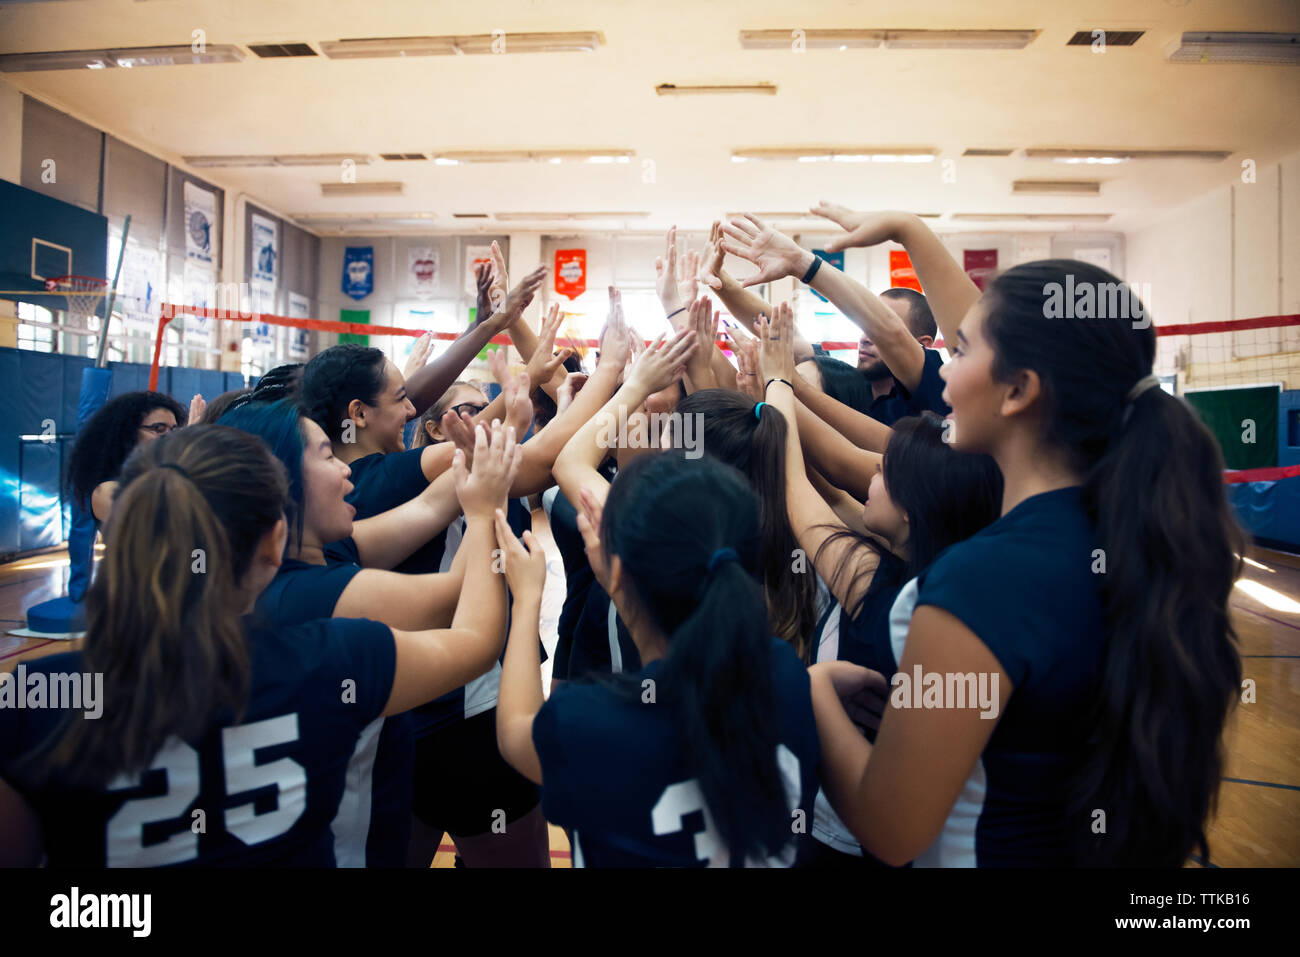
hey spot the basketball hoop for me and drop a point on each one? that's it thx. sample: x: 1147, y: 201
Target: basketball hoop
x: 82, y: 293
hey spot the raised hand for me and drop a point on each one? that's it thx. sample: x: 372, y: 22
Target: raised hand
x: 525, y: 561
x: 459, y: 430
x: 498, y: 281
x: 775, y: 254
x: 590, y: 510
x: 541, y: 367
x: 688, y: 265
x: 519, y: 297
x: 198, y: 405
x: 776, y: 345
x: 710, y: 262
x: 572, y: 385
x: 519, y: 404
x: 864, y: 229
x: 662, y: 363
x: 703, y: 322
x: 616, y: 340
x: 419, y: 355
x: 483, y: 488
x: 747, y: 380
x: 483, y: 274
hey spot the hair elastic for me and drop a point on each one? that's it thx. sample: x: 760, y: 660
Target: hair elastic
x: 759, y: 408
x: 1142, y: 385
x: 175, y: 468
x: 722, y: 555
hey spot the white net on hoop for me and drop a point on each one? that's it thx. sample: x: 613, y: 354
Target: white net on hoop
x: 82, y: 293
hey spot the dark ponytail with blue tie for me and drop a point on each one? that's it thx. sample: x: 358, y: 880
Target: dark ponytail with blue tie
x: 688, y: 537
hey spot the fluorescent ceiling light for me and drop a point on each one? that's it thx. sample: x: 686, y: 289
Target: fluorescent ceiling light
x: 1091, y: 155
x: 551, y: 217
x: 293, y: 159
x: 841, y: 154
x: 362, y: 189
x: 672, y: 89
x: 558, y: 42
x: 1057, y: 187
x: 887, y: 39
x: 958, y: 39
x: 455, y: 157
x: 1226, y: 47
x: 125, y: 57
x: 1053, y: 217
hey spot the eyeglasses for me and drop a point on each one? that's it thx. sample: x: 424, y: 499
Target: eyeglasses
x: 473, y: 408
x: 159, y: 428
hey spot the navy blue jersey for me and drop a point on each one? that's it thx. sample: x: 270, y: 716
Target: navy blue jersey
x: 270, y: 787
x: 380, y: 783
x: 601, y: 642
x: 899, y: 403
x: 863, y: 639
x: 385, y: 480
x: 1025, y: 586
x: 615, y: 776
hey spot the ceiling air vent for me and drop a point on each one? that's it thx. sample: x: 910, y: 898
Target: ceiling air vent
x: 281, y: 49
x: 1112, y: 38
x: 401, y: 157
x: 975, y: 151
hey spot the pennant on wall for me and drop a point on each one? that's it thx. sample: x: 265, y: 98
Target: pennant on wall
x: 200, y: 214
x: 901, y: 273
x: 571, y: 272
x: 424, y: 271
x: 835, y: 259
x: 359, y: 271
x: 265, y: 253
x: 981, y: 265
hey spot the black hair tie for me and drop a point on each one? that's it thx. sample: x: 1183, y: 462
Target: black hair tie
x: 175, y: 468
x: 720, y: 556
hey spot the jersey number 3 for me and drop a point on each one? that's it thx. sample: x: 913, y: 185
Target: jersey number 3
x: 126, y: 847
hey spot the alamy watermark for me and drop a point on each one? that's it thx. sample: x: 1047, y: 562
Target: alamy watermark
x: 932, y: 689
x: 644, y: 430
x: 1098, y: 300
x: 71, y: 691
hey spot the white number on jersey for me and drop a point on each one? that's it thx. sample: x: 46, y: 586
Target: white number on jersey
x: 125, y: 830
x: 683, y: 798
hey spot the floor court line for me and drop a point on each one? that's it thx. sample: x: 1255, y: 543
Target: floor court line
x: 1252, y: 611
x: 1264, y: 784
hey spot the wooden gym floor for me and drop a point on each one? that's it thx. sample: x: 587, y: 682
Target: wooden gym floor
x: 1258, y: 819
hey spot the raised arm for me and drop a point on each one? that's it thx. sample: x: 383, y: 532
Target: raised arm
x: 778, y: 256
x: 862, y: 430
x: 388, y: 538
x: 429, y: 383
x: 846, y: 465
x: 846, y: 567
x: 676, y: 283
x: 520, y: 696
x: 949, y: 290
x: 743, y: 305
x: 656, y: 368
x: 431, y: 663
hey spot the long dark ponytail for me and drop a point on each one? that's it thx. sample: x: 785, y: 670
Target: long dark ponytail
x: 1154, y: 487
x: 163, y: 615
x: 336, y: 376
x: 755, y: 444
x: 666, y: 518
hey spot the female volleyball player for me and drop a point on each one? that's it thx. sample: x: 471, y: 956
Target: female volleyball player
x: 706, y: 756
x: 107, y: 439
x: 1094, y: 612
x: 159, y: 768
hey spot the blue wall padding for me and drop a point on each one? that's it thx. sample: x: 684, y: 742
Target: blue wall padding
x: 37, y: 386
x: 40, y: 505
x: 1269, y: 510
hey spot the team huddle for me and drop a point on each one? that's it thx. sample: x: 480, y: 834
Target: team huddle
x: 903, y: 613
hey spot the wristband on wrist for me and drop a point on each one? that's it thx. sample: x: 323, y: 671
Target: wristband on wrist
x: 675, y: 311
x: 770, y: 381
x: 812, y: 270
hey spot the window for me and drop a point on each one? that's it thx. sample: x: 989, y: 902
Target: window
x: 35, y: 328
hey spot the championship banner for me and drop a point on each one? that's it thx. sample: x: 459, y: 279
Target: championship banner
x: 200, y: 214
x: 981, y: 265
x: 358, y: 271
x: 265, y: 251
x: 473, y: 256
x: 571, y: 272
x: 901, y: 273
x: 359, y: 317
x: 262, y: 296
x: 423, y: 272
x: 834, y: 259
